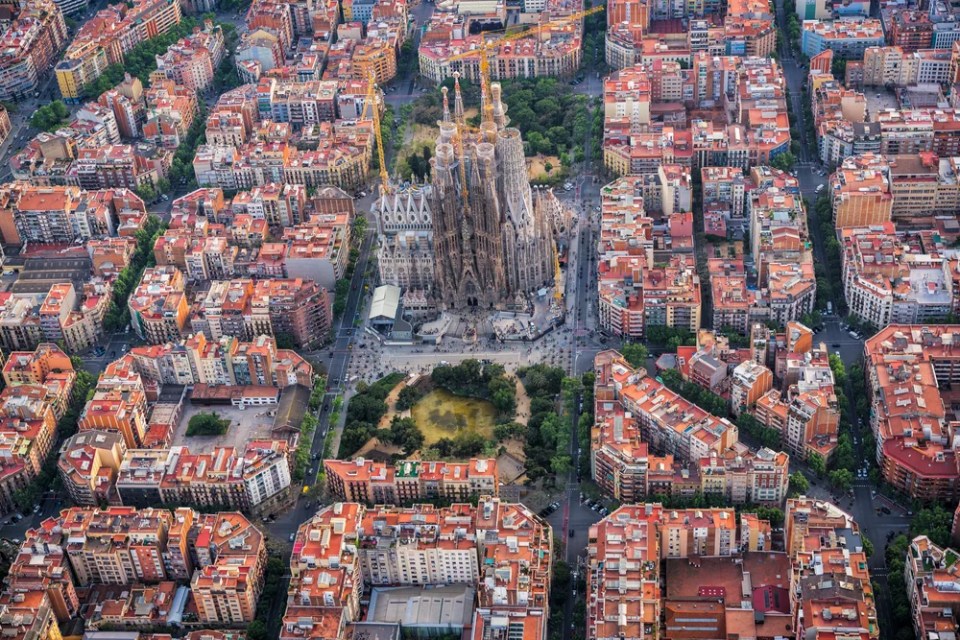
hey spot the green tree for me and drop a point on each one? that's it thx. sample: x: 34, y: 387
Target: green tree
x: 784, y: 161
x: 207, y: 424
x: 934, y: 522
x: 404, y: 433
x: 799, y: 484
x: 146, y: 192
x: 841, y: 479
x: 773, y: 514
x: 407, y: 397
x: 50, y: 117
x: 635, y: 353
x: 817, y: 464
x: 467, y: 444
x: 839, y: 68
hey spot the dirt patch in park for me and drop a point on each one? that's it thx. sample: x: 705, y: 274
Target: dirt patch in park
x: 537, y: 167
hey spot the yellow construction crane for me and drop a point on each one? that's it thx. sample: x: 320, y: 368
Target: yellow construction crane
x: 484, y: 50
x: 557, y: 291
x: 371, y: 102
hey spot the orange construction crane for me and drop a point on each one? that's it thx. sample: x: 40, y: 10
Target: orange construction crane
x: 371, y: 102
x: 484, y: 50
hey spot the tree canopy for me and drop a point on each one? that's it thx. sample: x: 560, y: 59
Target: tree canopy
x: 207, y: 424
x: 50, y: 117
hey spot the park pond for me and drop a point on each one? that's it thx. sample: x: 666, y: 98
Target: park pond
x: 440, y: 414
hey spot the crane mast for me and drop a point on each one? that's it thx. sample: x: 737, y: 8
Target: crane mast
x: 371, y: 102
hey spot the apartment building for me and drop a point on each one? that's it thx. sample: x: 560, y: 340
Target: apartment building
x: 627, y: 96
x: 791, y: 291
x: 276, y: 17
x: 260, y: 51
x: 127, y: 102
x: 628, y: 538
x: 282, y: 205
x: 839, y: 139
x: 779, y: 242
x: 907, y: 132
x: 910, y: 30
x: 41, y: 565
x: 350, y: 545
x: 750, y: 381
x: 635, y: 290
x: 830, y: 579
x: 831, y: 101
x: 89, y: 464
x: 119, y: 406
x: 933, y: 586
x: 76, y: 320
x: 46, y: 368
x: 231, y: 558
x: 250, y: 479
x: 202, y: 478
x: 246, y: 308
x: 191, y: 62
x: 27, y: 433
x: 725, y: 189
x: 108, y: 550
x: 906, y: 366
x: 646, y: 567
x: 861, y: 192
x: 128, y: 166
x: 225, y: 362
x: 735, y: 306
x: 29, y: 46
x: 412, y: 546
x: 557, y: 52
x: 107, y: 37
x: 42, y: 215
x: 641, y: 153
x: 340, y: 157
x: 847, y: 38
x: 227, y: 594
x: 170, y: 111
x: 296, y: 307
x: 158, y: 306
x: 138, y: 552
x: 814, y: 10
x: 19, y: 324
x: 804, y: 407
x: 325, y: 573
x: 28, y: 614
x: 895, y: 66
x: 626, y: 248
x: 889, y: 278
x: 319, y: 249
x: 370, y: 482
x: 671, y: 295
x: 647, y: 440
x: 778, y: 228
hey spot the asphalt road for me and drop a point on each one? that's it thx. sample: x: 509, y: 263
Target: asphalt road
x: 863, y: 504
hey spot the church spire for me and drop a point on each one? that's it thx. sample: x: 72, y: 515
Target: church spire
x: 446, y: 104
x: 457, y: 98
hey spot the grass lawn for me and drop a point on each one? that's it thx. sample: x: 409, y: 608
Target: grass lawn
x: 440, y: 414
